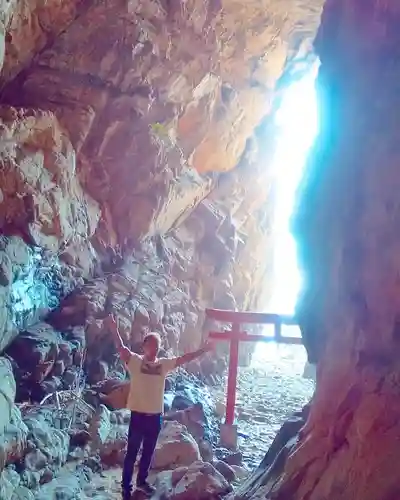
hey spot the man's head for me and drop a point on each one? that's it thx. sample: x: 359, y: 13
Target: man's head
x: 151, y: 345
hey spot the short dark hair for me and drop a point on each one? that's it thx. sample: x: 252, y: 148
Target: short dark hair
x: 153, y: 335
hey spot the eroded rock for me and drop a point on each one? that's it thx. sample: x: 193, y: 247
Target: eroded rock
x: 7, y: 393
x: 175, y: 447
x: 41, y: 196
x: 199, y: 481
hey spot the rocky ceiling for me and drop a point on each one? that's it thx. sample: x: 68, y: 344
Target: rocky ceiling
x: 156, y: 97
x: 125, y: 121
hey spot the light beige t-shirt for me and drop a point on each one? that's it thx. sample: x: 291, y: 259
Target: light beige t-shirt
x: 146, y: 393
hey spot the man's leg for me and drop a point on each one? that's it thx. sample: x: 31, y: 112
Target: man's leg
x: 135, y: 437
x: 151, y: 432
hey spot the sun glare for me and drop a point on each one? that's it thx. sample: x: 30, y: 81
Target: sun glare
x: 297, y: 123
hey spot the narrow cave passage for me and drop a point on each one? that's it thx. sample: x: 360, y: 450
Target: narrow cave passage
x: 281, y: 388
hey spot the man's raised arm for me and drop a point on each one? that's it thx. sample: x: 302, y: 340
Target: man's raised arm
x: 123, y: 351
x: 190, y: 356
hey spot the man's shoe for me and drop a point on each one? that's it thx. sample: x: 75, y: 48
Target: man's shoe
x: 145, y: 488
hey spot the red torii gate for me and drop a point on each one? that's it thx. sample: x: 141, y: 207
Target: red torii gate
x: 234, y: 336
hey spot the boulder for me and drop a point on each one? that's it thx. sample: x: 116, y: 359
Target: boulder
x: 100, y: 426
x: 97, y: 371
x: 35, y: 460
x: 120, y: 417
x: 118, y: 397
x: 175, y: 447
x: 44, y: 436
x: 83, y: 306
x: 226, y: 470
x: 13, y: 441
x: 199, y: 481
x: 141, y: 316
x: 8, y: 331
x: 112, y: 450
x: 9, y: 481
x: 193, y: 418
x: 22, y: 493
x: 235, y: 458
x: 69, y: 485
x: 35, y: 351
x: 7, y: 393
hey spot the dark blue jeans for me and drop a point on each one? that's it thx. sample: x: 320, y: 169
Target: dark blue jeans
x: 144, y: 429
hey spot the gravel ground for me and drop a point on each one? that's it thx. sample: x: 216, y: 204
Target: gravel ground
x: 269, y: 390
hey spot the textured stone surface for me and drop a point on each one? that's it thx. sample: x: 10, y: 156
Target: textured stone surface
x: 116, y: 128
x: 40, y: 195
x: 176, y: 447
x: 258, y: 483
x: 153, y: 92
x: 13, y: 439
x: 347, y: 226
x: 7, y: 393
x: 134, y: 152
x: 199, y: 481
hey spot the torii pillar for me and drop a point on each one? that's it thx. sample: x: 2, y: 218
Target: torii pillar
x: 228, y: 430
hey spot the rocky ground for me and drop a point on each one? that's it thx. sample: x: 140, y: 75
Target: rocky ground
x: 262, y: 408
x: 269, y: 391
x: 41, y: 459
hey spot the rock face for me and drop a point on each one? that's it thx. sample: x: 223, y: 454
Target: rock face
x: 134, y: 118
x: 134, y: 173
x: 134, y: 151
x: 270, y: 470
x: 347, y: 225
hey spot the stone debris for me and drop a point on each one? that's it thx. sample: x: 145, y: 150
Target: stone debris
x: 200, y: 481
x: 270, y: 390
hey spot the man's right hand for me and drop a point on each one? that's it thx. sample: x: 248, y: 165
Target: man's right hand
x: 111, y: 323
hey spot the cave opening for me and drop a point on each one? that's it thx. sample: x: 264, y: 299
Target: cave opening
x: 296, y: 125
x: 285, y: 381
x: 296, y: 121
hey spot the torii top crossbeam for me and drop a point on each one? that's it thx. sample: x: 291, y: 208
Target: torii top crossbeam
x: 235, y: 335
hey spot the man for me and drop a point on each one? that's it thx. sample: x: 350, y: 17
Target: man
x: 146, y: 402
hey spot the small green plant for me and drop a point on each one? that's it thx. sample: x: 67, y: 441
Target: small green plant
x: 160, y: 137
x: 159, y: 129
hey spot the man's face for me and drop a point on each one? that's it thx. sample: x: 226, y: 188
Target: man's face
x: 150, y: 347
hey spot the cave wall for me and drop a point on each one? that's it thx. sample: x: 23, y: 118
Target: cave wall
x: 347, y: 227
x: 133, y: 155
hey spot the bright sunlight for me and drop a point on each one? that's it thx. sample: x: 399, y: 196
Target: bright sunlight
x: 297, y: 123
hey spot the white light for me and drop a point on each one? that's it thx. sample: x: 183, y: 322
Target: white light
x: 297, y: 122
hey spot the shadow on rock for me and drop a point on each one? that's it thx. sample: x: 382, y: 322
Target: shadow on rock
x: 273, y: 464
